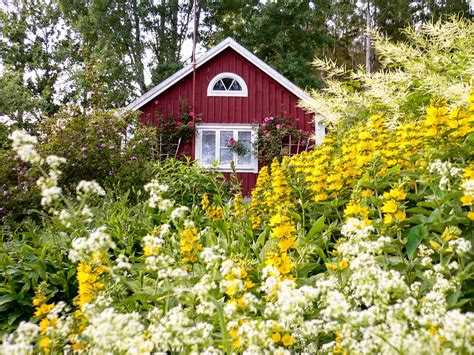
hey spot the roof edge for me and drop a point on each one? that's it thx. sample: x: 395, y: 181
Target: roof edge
x: 226, y: 43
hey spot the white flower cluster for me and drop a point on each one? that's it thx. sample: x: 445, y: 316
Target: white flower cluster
x: 179, y: 212
x: 175, y: 331
x: 356, y: 228
x: 21, y: 340
x: 24, y: 145
x: 109, y: 331
x: 156, y: 199
x: 446, y: 171
x: 84, y: 248
x: 85, y: 188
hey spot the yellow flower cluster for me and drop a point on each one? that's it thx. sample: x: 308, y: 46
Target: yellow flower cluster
x: 449, y: 233
x: 41, y: 310
x: 89, y: 281
x: 259, y: 196
x: 283, y: 229
x: 237, y: 277
x: 213, y: 212
x: 280, y: 336
x: 393, y: 211
x: 239, y: 205
x: 271, y: 193
x: 334, y: 166
x: 189, y: 245
x: 282, y: 262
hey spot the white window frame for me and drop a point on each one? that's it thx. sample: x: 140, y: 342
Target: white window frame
x: 243, y: 85
x: 217, y: 128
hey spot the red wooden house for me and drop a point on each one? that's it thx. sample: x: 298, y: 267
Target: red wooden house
x: 232, y: 90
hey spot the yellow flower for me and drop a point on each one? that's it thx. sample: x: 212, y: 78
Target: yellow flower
x: 366, y: 193
x: 470, y: 215
x: 388, y: 218
x: 283, y: 230
x: 38, y: 300
x: 45, y: 344
x: 43, y: 309
x: 276, y: 337
x: 46, y: 322
x: 287, y: 243
x: 466, y: 200
x: 396, y: 193
x: 400, y: 215
x: 287, y: 340
x: 332, y: 267
x: 434, y: 245
x: 390, y: 206
x: 321, y: 197
x: 343, y: 265
x: 249, y: 284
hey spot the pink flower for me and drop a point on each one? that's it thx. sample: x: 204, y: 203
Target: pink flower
x: 268, y: 135
x: 286, y: 112
x: 278, y: 126
x: 191, y: 114
x: 190, y: 123
x: 156, y: 102
x: 303, y: 142
x: 103, y: 145
x: 231, y: 141
x: 268, y: 119
x: 179, y: 124
x: 134, y: 158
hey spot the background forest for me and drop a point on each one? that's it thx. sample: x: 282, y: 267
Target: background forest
x: 57, y: 52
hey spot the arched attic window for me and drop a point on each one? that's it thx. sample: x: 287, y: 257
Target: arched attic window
x: 227, y: 84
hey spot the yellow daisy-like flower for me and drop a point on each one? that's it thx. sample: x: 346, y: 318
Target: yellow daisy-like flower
x: 287, y: 340
x: 38, y: 300
x: 466, y: 200
x: 390, y: 206
x: 43, y: 309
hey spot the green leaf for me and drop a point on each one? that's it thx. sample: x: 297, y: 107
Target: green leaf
x: 222, y: 227
x: 316, y: 228
x: 6, y: 299
x: 415, y: 236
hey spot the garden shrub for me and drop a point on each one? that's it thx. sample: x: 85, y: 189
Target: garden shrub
x: 110, y: 147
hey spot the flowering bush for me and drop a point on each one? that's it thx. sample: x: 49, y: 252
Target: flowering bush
x: 278, y: 136
x: 110, y: 147
x: 171, y: 130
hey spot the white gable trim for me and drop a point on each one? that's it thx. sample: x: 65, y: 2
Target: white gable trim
x: 228, y: 42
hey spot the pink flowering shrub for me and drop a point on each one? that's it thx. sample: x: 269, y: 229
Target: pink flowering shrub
x: 279, y: 136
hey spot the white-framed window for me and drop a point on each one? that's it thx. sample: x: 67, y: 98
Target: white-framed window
x: 227, y: 84
x: 212, y: 145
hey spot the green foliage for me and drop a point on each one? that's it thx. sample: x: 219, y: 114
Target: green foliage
x: 107, y: 146
x: 435, y: 61
x: 285, y: 34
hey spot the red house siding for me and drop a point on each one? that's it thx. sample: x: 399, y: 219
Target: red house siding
x: 265, y: 96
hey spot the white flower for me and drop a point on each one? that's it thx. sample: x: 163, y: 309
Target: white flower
x: 24, y: 145
x: 88, y: 188
x: 179, y: 212
x: 54, y: 161
x: 83, y: 248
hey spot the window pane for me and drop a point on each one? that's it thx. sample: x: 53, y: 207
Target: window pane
x: 227, y: 82
x: 235, y: 86
x: 225, y: 156
x: 246, y: 139
x: 219, y: 86
x: 208, y: 153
